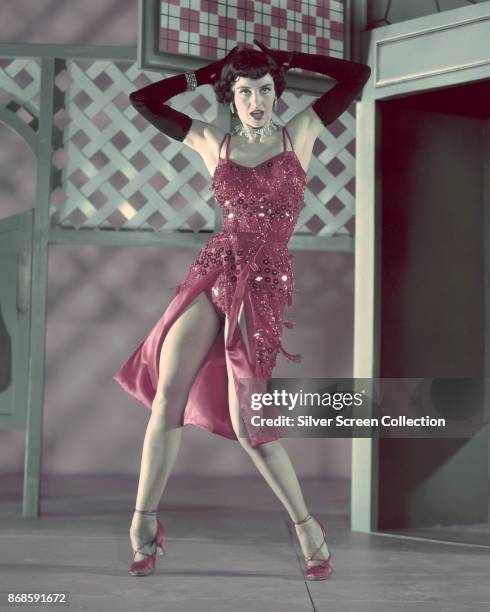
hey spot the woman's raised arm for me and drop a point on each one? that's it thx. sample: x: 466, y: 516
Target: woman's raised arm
x: 149, y: 101
x: 350, y: 76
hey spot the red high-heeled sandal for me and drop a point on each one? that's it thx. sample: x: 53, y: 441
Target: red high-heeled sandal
x: 147, y: 566
x: 320, y: 571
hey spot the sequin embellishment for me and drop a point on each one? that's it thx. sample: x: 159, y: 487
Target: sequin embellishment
x: 260, y: 206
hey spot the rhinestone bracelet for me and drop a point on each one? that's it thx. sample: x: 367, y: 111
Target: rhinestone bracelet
x: 191, y: 80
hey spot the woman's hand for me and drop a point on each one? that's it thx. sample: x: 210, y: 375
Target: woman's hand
x: 227, y: 57
x: 212, y: 72
x: 282, y: 58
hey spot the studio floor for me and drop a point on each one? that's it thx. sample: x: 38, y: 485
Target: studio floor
x: 230, y: 548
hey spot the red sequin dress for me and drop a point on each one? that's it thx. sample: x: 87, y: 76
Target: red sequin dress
x: 247, y: 261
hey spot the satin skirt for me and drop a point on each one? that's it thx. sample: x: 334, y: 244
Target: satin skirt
x: 207, y: 404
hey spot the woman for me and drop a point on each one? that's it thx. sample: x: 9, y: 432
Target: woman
x: 226, y: 320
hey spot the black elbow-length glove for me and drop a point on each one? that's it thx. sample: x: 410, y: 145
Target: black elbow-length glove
x: 350, y: 76
x: 149, y: 101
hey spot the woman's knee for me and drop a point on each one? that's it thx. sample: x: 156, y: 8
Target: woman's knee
x: 262, y: 451
x: 169, y: 404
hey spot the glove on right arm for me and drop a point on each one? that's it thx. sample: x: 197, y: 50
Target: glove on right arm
x: 149, y: 101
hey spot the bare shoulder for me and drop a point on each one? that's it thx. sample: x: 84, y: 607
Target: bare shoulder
x: 204, y: 138
x: 304, y: 128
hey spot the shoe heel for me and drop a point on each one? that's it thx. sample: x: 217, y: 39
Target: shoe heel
x: 160, y: 539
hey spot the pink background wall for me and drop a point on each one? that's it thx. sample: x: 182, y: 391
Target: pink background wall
x: 103, y: 300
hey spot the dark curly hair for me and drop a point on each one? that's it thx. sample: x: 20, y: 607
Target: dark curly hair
x: 251, y: 64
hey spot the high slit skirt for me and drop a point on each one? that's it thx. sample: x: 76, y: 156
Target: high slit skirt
x: 207, y: 403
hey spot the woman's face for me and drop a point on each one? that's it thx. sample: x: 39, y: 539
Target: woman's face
x: 251, y: 95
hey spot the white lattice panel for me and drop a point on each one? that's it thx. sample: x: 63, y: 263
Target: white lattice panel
x: 20, y: 84
x: 115, y: 170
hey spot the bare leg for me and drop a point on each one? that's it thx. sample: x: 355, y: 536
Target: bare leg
x: 274, y: 464
x: 183, y: 350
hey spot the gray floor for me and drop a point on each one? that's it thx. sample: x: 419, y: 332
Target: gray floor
x: 230, y: 548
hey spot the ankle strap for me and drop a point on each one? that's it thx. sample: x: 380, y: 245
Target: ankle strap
x: 308, y: 517
x: 150, y: 512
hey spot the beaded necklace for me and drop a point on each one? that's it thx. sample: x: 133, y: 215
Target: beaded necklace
x: 249, y: 132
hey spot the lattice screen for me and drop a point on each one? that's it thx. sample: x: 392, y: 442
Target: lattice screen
x: 20, y: 84
x: 115, y: 170
x: 112, y: 170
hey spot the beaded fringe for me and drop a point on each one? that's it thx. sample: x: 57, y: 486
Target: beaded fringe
x: 292, y: 357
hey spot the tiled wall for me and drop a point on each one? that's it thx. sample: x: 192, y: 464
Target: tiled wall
x: 207, y: 28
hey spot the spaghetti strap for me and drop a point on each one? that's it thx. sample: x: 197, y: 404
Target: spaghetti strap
x: 221, y: 145
x: 286, y: 131
x: 228, y: 145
